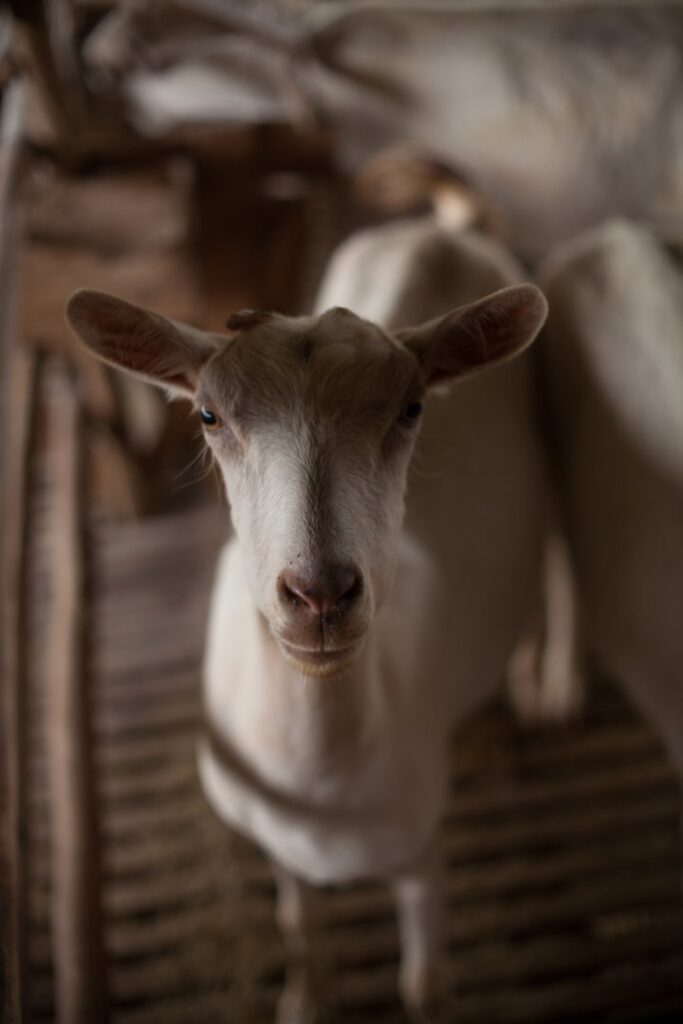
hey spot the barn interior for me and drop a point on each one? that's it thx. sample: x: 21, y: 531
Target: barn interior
x: 199, y: 157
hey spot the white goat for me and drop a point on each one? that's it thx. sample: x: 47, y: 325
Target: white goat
x: 615, y: 375
x: 343, y: 648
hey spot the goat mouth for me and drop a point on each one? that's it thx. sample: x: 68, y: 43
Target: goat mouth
x: 317, y: 662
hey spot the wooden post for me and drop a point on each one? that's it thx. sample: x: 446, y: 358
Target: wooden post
x: 79, y: 961
x: 13, y: 714
x: 17, y: 370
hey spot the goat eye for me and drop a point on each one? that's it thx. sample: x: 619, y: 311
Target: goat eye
x: 208, y: 418
x: 412, y: 411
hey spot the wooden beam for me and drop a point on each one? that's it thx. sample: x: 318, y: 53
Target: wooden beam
x: 77, y: 930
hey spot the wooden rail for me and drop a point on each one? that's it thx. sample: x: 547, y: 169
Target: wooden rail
x: 78, y: 954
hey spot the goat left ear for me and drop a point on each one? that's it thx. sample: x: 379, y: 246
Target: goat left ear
x: 145, y: 344
x: 471, y: 338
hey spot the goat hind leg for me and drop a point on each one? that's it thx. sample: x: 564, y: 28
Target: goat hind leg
x: 545, y: 679
x: 562, y: 683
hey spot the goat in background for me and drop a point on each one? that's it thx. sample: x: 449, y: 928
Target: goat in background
x: 614, y: 376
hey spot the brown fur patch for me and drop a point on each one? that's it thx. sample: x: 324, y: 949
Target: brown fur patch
x: 333, y: 369
x: 307, y: 348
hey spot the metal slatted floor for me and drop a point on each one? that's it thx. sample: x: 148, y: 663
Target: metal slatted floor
x: 562, y: 846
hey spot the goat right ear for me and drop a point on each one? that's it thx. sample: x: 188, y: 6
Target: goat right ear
x: 474, y: 337
x: 143, y: 343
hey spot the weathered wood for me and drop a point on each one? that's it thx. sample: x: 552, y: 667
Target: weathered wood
x: 17, y: 373
x: 12, y: 871
x: 80, y: 982
x: 50, y: 32
x: 117, y: 477
x: 125, y: 230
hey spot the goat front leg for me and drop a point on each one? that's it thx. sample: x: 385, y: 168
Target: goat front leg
x: 423, y: 976
x: 302, y: 998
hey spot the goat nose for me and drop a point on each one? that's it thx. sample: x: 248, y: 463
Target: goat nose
x: 331, y: 590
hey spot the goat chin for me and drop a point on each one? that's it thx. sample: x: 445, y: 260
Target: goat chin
x: 318, y: 670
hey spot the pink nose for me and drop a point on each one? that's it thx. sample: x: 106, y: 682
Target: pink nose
x: 331, y: 591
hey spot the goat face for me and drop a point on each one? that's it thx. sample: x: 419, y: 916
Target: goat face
x: 312, y: 422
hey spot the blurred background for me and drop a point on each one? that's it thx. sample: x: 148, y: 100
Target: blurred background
x: 199, y: 157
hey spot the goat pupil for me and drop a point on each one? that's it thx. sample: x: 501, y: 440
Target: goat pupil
x: 207, y: 417
x: 413, y: 410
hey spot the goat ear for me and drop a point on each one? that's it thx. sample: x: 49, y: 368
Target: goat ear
x: 145, y: 344
x: 485, y: 333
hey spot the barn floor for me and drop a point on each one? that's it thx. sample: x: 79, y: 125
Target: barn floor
x: 562, y: 846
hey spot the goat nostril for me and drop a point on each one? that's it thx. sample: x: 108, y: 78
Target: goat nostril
x: 350, y: 587
x: 289, y: 591
x: 299, y: 593
x: 332, y: 590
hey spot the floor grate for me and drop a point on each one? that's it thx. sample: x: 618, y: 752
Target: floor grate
x: 562, y: 846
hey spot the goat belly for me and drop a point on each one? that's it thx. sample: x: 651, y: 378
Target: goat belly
x: 322, y: 844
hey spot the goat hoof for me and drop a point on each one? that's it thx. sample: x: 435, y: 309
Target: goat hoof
x: 297, y: 1006
x: 550, y: 699
x: 433, y: 1012
x: 426, y: 999
x: 562, y: 700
